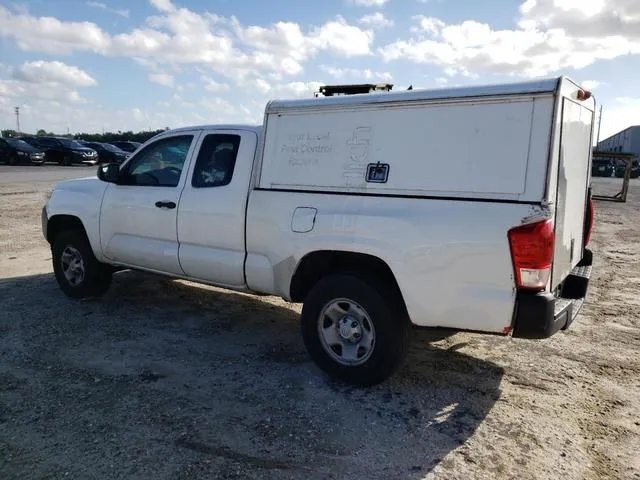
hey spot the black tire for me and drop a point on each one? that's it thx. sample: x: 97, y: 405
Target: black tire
x: 97, y: 276
x: 66, y: 161
x: 383, y: 308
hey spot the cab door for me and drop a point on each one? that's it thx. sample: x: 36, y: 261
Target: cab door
x: 211, y: 215
x: 138, y: 216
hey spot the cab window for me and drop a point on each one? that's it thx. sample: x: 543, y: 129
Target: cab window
x: 216, y: 161
x: 159, y: 164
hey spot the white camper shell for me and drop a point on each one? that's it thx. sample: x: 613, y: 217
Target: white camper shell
x: 526, y: 143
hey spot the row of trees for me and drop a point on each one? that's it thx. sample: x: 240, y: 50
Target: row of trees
x: 130, y: 136
x: 106, y: 137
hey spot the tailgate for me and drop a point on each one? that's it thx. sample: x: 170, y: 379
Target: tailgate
x: 573, y: 177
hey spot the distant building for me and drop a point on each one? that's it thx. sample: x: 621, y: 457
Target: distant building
x: 626, y: 141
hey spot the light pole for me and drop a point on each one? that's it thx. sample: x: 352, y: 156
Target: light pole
x: 17, y: 110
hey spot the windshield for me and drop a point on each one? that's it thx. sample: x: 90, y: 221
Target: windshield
x: 17, y: 143
x: 111, y: 148
x: 71, y: 143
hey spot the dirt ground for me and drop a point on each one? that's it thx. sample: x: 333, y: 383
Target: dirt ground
x: 162, y: 379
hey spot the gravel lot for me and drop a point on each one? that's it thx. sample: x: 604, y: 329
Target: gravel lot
x: 163, y: 379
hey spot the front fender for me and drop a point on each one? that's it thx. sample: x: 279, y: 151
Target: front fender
x: 81, y: 199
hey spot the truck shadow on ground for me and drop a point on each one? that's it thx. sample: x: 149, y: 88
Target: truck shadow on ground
x: 160, y: 379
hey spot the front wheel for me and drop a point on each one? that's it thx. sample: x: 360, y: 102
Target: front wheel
x: 78, y: 272
x: 355, y: 328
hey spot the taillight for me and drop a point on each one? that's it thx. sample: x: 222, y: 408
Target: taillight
x: 590, y: 221
x: 532, y: 247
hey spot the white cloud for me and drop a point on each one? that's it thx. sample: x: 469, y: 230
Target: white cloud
x: 163, y: 79
x: 222, y: 111
x: 43, y: 88
x: 295, y: 89
x: 341, y: 38
x: 376, y: 20
x: 366, y: 74
x: 15, y: 92
x: 262, y: 85
x: 50, y: 35
x: 213, y: 86
x: 427, y: 24
x: 368, y: 3
x: 551, y: 35
x: 180, y: 36
x: 590, y: 84
x: 592, y: 19
x: 282, y: 90
x: 41, y: 72
x: 102, y: 6
x: 163, y: 5
x: 450, y: 71
x: 220, y: 105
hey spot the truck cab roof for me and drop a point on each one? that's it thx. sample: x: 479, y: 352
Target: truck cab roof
x: 213, y: 126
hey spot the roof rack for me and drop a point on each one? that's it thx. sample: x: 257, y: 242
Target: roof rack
x: 353, y: 89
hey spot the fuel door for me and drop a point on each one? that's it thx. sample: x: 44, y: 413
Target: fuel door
x: 303, y: 220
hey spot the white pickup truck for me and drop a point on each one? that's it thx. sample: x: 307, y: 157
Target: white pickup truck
x: 464, y: 208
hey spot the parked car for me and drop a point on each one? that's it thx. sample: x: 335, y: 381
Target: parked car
x: 603, y: 167
x: 108, y: 153
x: 64, y: 151
x: 126, y: 145
x: 343, y: 204
x: 14, y: 151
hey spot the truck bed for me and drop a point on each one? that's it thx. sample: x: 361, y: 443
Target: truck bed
x: 451, y: 258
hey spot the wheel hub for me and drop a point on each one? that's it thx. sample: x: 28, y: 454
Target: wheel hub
x: 346, y: 332
x: 72, y: 265
x: 350, y: 329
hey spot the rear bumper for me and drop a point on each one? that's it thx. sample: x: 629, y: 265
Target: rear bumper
x: 540, y: 315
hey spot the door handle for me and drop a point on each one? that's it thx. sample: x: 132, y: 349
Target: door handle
x: 167, y: 204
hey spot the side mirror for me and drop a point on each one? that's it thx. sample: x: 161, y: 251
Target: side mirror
x: 109, y: 172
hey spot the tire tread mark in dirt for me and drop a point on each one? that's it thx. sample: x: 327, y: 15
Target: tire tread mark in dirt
x: 228, y: 453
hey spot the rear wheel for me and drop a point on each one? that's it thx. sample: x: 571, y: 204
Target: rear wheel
x: 78, y: 272
x: 355, y: 328
x: 66, y: 161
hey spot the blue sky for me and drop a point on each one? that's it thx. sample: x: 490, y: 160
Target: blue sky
x: 84, y: 66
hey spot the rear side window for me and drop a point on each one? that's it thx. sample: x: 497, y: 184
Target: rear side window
x: 216, y: 160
